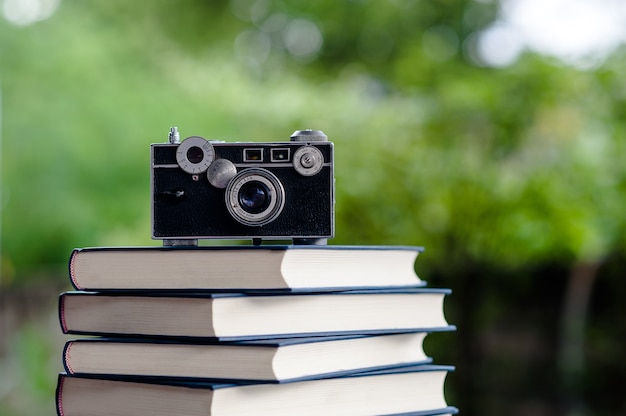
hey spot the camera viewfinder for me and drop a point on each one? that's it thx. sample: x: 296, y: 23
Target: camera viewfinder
x: 253, y: 155
x: 280, y: 155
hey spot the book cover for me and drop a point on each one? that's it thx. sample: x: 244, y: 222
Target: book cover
x: 446, y: 411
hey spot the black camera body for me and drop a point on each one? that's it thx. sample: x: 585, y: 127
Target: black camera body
x: 207, y: 189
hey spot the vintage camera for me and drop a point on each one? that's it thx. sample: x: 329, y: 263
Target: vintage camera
x: 211, y: 189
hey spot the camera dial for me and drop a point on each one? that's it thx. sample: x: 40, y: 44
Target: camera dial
x: 255, y: 197
x: 195, y: 154
x: 308, y: 160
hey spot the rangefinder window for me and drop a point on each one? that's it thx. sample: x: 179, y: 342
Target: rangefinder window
x: 253, y: 155
x: 280, y: 155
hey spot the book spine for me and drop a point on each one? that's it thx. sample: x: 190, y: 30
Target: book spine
x: 67, y: 365
x: 59, y: 395
x: 72, y: 271
x: 62, y: 314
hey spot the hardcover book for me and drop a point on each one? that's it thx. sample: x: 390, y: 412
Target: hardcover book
x: 239, y: 316
x: 237, y: 268
x: 277, y: 360
x: 402, y: 390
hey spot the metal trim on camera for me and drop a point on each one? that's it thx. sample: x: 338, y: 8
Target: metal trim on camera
x: 255, y: 197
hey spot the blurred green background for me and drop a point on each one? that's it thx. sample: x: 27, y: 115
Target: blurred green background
x: 503, y: 158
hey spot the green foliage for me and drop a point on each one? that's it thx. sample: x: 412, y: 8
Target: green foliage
x: 503, y: 166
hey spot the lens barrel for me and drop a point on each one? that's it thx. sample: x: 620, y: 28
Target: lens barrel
x: 255, y: 197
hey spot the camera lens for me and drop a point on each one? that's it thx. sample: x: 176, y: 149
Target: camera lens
x: 195, y: 154
x: 254, y: 197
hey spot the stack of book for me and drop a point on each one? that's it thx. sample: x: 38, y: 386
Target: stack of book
x: 268, y: 330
